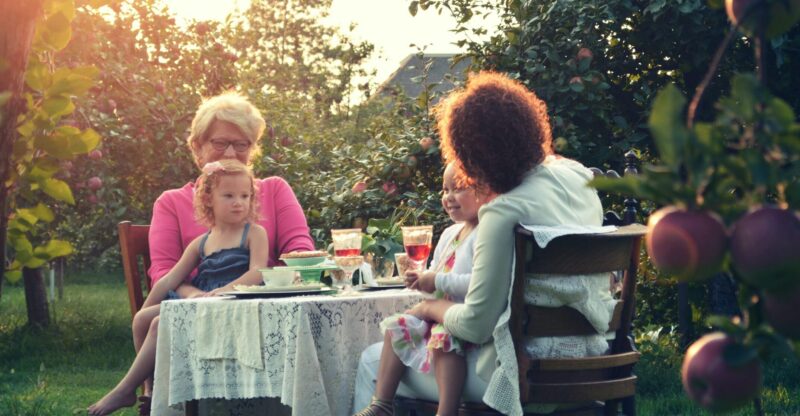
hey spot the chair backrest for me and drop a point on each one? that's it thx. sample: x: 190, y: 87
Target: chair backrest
x: 630, y: 204
x: 133, y: 245
x: 581, y: 379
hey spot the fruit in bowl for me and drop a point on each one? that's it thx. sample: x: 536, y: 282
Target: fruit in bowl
x: 304, y: 258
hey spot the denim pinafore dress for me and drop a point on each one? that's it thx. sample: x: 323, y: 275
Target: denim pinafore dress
x: 222, y: 267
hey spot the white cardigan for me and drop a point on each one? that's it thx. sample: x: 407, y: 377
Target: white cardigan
x: 553, y: 193
x: 455, y: 282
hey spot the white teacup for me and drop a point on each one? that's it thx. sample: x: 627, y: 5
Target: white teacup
x: 277, y: 277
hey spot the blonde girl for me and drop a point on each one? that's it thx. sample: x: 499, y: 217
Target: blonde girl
x: 229, y: 254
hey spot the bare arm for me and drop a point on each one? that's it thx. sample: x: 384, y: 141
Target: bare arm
x: 176, y: 276
x: 259, y: 253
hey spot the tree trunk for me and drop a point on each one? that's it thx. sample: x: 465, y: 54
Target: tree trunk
x: 685, y: 327
x: 17, y: 24
x: 60, y: 265
x: 36, y: 297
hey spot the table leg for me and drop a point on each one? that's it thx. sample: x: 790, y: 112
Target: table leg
x: 191, y: 408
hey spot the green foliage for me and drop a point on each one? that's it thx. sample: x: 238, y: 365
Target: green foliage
x: 47, y: 141
x: 383, y: 237
x: 63, y: 369
x: 749, y: 155
x: 598, y: 64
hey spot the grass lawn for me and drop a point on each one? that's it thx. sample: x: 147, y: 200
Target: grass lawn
x: 63, y: 369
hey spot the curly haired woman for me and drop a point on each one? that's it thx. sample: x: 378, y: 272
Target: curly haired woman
x: 498, y: 132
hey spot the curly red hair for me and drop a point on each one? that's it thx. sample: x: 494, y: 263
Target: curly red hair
x: 495, y: 129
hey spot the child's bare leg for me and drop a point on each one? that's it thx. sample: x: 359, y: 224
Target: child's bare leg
x: 390, y: 371
x: 124, y: 394
x: 451, y: 371
x: 141, y: 325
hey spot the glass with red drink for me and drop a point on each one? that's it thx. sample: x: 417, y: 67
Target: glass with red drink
x: 417, y: 242
x: 347, y: 250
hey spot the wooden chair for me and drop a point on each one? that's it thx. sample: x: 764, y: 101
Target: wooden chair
x: 133, y: 245
x: 595, y: 384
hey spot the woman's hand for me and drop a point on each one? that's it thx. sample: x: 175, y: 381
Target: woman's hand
x: 423, y: 281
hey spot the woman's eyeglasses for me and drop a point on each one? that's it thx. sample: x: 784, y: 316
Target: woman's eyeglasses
x: 238, y: 145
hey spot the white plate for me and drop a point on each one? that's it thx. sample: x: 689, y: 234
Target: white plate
x: 280, y: 289
x: 394, y: 281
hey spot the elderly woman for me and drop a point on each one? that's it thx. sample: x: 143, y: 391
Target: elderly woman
x: 225, y: 127
x: 499, y: 133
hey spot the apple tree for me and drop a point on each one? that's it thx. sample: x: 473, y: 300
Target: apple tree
x: 732, y: 189
x: 43, y: 142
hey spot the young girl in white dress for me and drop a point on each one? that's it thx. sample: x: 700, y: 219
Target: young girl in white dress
x: 423, y: 345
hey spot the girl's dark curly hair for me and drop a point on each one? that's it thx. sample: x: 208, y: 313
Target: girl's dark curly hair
x: 495, y: 129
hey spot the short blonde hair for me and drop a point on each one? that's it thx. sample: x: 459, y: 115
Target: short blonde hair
x: 233, y: 108
x: 209, y: 180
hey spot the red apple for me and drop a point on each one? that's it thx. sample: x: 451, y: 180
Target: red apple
x: 271, y: 132
x: 94, y: 183
x: 576, y: 80
x: 359, y: 187
x: 389, y: 187
x: 712, y: 382
x: 159, y: 87
x: 584, y: 53
x: 286, y: 141
x: 737, y: 8
x: 780, y: 310
x: 202, y: 28
x: 92, y: 199
x: 780, y: 15
x: 95, y: 154
x: 687, y: 244
x: 765, y: 248
x: 425, y: 143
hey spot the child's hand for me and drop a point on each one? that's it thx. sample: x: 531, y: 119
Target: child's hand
x: 426, y: 282
x: 418, y: 310
x: 410, y: 279
x: 196, y: 294
x: 218, y: 291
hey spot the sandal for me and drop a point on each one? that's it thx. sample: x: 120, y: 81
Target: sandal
x: 377, y: 407
x: 144, y: 406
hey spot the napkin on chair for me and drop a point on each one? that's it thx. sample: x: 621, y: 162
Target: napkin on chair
x: 544, y: 234
x: 244, y: 346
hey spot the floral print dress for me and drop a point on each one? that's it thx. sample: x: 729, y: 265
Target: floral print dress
x: 413, y: 339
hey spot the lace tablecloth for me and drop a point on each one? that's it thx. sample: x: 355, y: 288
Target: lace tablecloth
x: 310, y: 347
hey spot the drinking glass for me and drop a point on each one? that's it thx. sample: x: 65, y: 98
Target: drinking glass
x: 417, y: 242
x: 346, y: 242
x: 348, y: 264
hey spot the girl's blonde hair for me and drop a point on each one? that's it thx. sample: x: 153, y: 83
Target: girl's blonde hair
x: 208, y: 181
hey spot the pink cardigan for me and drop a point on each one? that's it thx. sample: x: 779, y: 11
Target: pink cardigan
x: 173, y: 225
